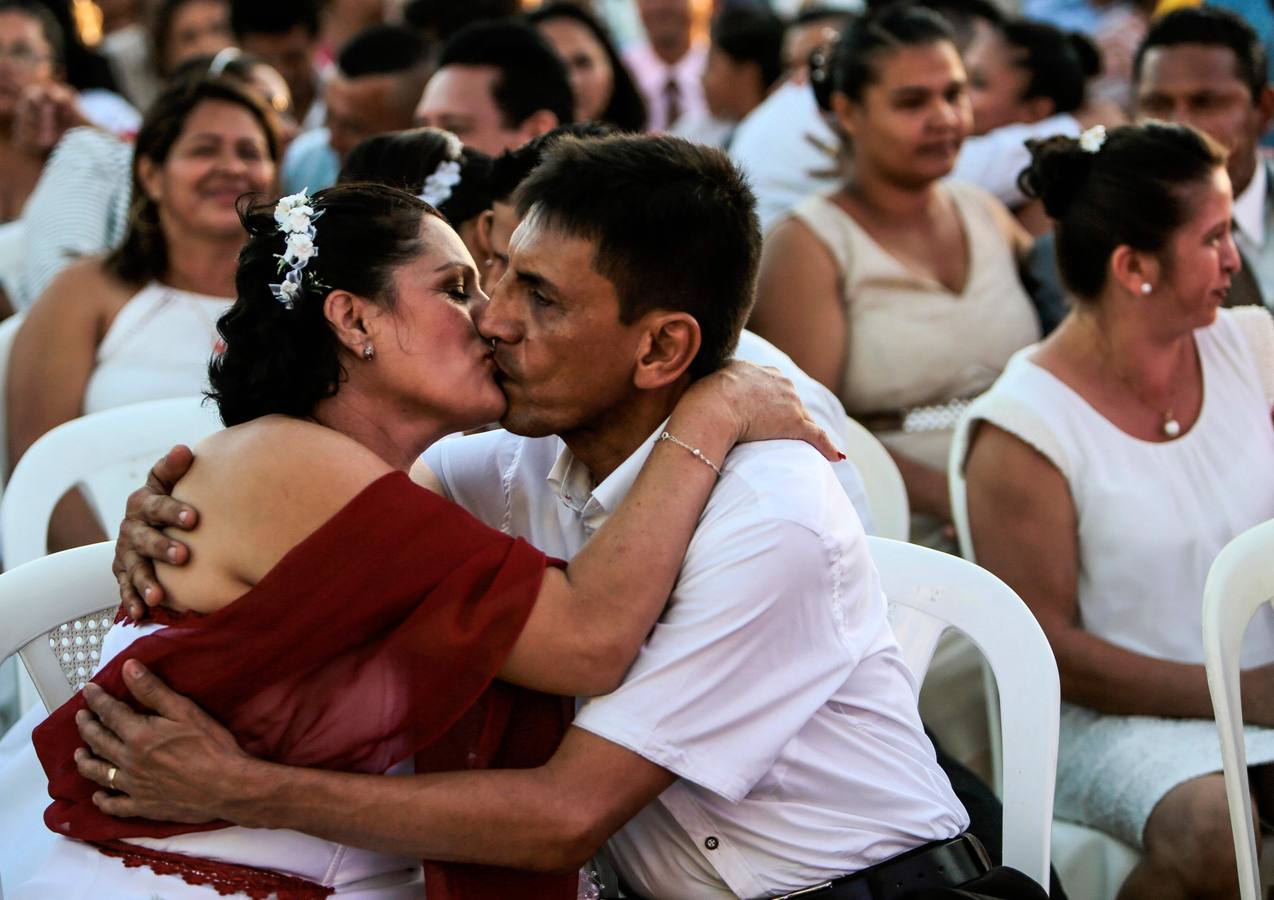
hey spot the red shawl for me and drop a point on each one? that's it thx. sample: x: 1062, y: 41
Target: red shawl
x: 376, y: 638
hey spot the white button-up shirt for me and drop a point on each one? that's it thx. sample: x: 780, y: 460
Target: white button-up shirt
x: 772, y: 686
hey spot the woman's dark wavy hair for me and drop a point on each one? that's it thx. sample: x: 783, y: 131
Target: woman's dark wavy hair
x: 1135, y: 191
x: 404, y: 159
x: 143, y: 253
x: 626, y: 109
x: 284, y: 361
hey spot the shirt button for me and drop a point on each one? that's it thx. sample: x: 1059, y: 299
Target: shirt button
x: 711, y: 843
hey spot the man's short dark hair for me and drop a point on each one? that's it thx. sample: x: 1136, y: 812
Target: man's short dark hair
x: 443, y: 18
x: 531, y: 76
x: 512, y: 167
x: 1211, y: 27
x: 675, y: 227
x: 750, y: 35
x: 383, y: 50
x: 273, y: 16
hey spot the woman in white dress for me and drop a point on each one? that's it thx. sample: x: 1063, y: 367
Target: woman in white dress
x: 1107, y: 468
x: 139, y: 324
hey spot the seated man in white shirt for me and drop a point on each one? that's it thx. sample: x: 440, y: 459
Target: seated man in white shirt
x: 766, y: 740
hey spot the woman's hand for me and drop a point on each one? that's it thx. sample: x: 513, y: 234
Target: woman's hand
x: 756, y: 403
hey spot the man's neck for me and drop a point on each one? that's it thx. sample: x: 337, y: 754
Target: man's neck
x: 671, y: 51
x: 603, y: 446
x: 1240, y: 179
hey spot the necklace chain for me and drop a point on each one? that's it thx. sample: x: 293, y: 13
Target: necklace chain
x: 1169, y: 426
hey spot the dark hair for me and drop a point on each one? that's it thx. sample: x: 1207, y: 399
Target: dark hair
x: 49, y: 25
x: 160, y: 31
x: 854, y: 63
x: 750, y: 35
x: 811, y: 14
x: 1134, y: 191
x: 531, y: 77
x: 383, y: 50
x: 626, y: 108
x: 1060, y: 64
x: 677, y: 228
x: 440, y: 19
x: 258, y: 17
x: 280, y: 360
x: 404, y: 159
x: 512, y: 166
x: 1213, y: 27
x: 143, y: 252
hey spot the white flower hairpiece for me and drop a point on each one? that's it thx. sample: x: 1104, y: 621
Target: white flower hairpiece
x: 295, y: 217
x: 1092, y: 140
x: 438, y: 186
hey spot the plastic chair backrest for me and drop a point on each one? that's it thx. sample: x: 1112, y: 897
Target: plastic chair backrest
x: 886, y: 493
x: 8, y: 331
x: 930, y: 592
x: 1239, y: 582
x: 13, y: 251
x: 110, y: 451
x: 37, y: 598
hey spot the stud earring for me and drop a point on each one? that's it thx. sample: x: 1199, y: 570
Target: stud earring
x: 489, y: 261
x: 1146, y: 287
x: 368, y: 351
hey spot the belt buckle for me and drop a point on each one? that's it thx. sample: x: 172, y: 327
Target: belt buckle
x: 807, y: 892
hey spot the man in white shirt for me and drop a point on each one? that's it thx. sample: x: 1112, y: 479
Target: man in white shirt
x: 766, y: 740
x: 1206, y: 67
x: 668, y: 67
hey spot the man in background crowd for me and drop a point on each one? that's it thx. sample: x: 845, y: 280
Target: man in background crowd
x: 285, y: 35
x: 668, y: 67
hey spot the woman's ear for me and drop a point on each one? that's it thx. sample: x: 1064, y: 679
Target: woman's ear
x: 845, y: 112
x: 148, y: 175
x: 351, y: 318
x: 669, y: 343
x: 1134, y: 270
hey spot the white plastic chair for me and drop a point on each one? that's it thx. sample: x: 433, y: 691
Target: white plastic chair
x: 1240, y: 581
x: 109, y: 451
x: 8, y: 331
x: 1094, y: 862
x: 13, y: 251
x: 39, y: 598
x: 930, y: 592
x: 886, y: 493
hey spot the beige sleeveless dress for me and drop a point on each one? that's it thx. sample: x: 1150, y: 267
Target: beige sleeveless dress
x: 912, y: 342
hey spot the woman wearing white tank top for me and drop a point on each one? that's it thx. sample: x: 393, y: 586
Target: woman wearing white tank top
x: 140, y: 324
x: 1107, y: 468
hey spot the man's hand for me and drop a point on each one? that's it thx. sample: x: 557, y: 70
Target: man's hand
x: 149, y: 509
x: 168, y: 766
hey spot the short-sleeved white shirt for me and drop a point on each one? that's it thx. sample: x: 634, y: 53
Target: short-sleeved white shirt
x: 772, y: 684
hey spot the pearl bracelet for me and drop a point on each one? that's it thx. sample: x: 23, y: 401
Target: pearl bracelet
x: 694, y: 451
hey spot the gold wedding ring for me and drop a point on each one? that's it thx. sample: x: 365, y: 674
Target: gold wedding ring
x: 110, y: 777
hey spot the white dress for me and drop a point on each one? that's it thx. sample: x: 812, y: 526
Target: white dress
x: 77, y: 871
x: 1152, y: 516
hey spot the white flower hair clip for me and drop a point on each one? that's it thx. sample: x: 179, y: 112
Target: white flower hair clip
x: 438, y: 186
x: 295, y: 217
x: 1092, y: 140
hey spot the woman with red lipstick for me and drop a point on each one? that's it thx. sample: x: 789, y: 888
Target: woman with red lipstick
x: 140, y: 323
x: 1108, y: 467
x: 899, y: 291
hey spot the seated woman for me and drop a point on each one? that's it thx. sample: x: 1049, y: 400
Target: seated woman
x: 435, y: 166
x: 1107, y: 468
x: 342, y: 364
x: 140, y: 324
x: 1025, y: 72
x: 603, y: 87
x: 31, y: 44
x: 899, y: 291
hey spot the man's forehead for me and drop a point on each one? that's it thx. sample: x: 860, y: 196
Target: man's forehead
x: 1190, y: 68
x: 563, y: 257
x: 455, y: 82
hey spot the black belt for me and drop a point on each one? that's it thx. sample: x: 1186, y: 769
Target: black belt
x: 938, y: 864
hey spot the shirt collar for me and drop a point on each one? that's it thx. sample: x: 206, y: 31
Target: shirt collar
x: 570, y: 480
x: 1249, y: 206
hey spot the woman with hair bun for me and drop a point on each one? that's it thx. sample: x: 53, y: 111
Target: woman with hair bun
x: 899, y: 291
x: 1108, y: 466
x: 435, y: 166
x: 336, y: 615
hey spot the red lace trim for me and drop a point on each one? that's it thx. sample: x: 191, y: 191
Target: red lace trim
x: 159, y: 615
x: 223, y: 877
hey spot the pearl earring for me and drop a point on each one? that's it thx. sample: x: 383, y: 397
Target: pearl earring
x: 1146, y: 287
x: 368, y: 351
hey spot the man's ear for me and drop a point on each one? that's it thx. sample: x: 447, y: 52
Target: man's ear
x: 353, y: 319
x: 542, y: 121
x: 1264, y: 109
x: 669, y: 344
x: 482, y: 236
x: 1037, y: 109
x: 1133, y: 268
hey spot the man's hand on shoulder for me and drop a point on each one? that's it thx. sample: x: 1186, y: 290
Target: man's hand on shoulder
x: 150, y: 509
